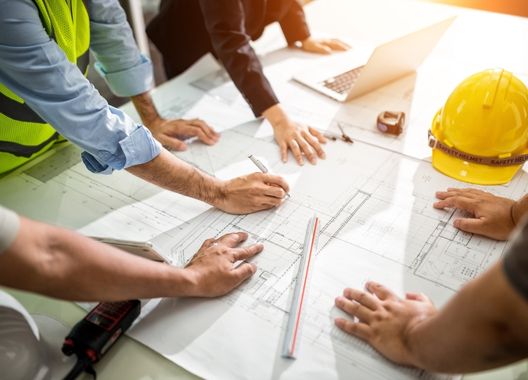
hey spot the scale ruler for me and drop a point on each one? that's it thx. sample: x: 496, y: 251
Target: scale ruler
x: 292, y: 335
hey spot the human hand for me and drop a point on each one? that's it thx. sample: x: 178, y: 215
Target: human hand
x: 211, y: 269
x: 323, y: 46
x: 301, y: 140
x: 384, y: 320
x: 171, y: 132
x: 492, y: 216
x: 251, y: 193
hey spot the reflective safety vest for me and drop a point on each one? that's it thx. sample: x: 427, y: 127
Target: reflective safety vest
x: 23, y: 133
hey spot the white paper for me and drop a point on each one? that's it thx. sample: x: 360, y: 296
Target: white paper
x: 377, y: 223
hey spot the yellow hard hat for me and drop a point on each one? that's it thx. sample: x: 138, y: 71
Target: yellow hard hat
x: 481, y: 133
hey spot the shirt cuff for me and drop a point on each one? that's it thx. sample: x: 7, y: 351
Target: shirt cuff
x: 9, y: 226
x: 137, y: 148
x: 133, y: 81
x: 259, y: 105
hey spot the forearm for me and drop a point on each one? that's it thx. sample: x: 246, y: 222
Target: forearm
x: 519, y: 209
x: 145, y: 107
x: 477, y: 330
x: 66, y: 265
x: 173, y: 174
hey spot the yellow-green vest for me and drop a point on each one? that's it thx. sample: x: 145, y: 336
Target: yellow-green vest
x: 23, y: 134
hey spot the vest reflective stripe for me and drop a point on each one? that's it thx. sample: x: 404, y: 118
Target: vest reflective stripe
x: 23, y: 133
x: 20, y: 150
x: 21, y: 111
x: 18, y: 111
x: 83, y: 61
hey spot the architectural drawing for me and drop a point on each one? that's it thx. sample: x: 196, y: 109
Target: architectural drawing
x: 377, y: 220
x: 377, y: 223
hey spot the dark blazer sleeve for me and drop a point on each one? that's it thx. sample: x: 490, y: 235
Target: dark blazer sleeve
x: 293, y: 24
x: 225, y: 22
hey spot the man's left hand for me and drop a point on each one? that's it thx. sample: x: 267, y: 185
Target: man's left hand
x: 323, y: 46
x: 384, y: 320
x: 171, y: 133
x: 491, y: 216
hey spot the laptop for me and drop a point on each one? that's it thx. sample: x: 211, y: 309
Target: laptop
x: 358, y: 71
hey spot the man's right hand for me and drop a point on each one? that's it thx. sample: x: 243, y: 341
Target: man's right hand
x: 251, y: 193
x: 301, y: 140
x: 211, y: 270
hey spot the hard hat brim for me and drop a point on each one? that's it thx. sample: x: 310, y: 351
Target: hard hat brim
x: 471, y: 172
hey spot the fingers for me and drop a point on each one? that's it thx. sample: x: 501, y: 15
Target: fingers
x: 338, y: 45
x: 468, y: 193
x: 363, y: 298
x: 471, y: 225
x: 191, y: 128
x: 270, y: 202
x: 172, y: 143
x: 323, y: 48
x: 244, y: 253
x: 417, y: 297
x: 243, y: 272
x: 318, y: 135
x: 275, y: 192
x: 305, y: 145
x: 203, y: 137
x: 296, y: 151
x: 314, y: 143
x: 283, y: 151
x: 459, y: 202
x: 233, y: 239
x: 208, y: 243
x: 317, y: 47
x: 209, y: 133
x: 380, y: 291
x: 357, y: 329
x: 326, y: 46
x: 354, y: 309
x: 275, y: 180
x: 306, y: 149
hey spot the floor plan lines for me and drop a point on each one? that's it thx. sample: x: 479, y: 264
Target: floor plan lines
x: 377, y: 222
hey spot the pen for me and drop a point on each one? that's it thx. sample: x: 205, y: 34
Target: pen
x: 261, y: 167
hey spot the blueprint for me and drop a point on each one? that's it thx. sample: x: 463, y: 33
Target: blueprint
x: 61, y: 191
x: 377, y: 222
x: 374, y: 199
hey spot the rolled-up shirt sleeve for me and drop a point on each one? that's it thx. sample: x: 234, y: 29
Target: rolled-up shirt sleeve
x: 119, y: 60
x: 37, y: 70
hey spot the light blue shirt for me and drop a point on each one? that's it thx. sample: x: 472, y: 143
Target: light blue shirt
x: 34, y: 67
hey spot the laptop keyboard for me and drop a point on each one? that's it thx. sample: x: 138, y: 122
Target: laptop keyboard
x: 342, y: 83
